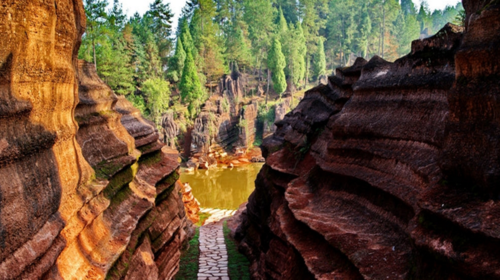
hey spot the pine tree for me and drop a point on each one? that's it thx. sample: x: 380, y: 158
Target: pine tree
x: 187, y: 39
x: 408, y: 7
x: 407, y: 31
x: 289, y: 8
x: 95, y: 10
x: 300, y: 71
x: 176, y: 63
x: 258, y: 16
x: 314, y: 20
x: 364, y: 30
x: 205, y: 32
x: 190, y: 86
x: 160, y: 25
x: 151, y: 66
x: 319, y: 62
x: 237, y: 45
x: 114, y: 65
x: 282, y: 26
x: 423, y: 17
x: 117, y: 17
x: 157, y: 92
x: 189, y: 8
x: 277, y: 64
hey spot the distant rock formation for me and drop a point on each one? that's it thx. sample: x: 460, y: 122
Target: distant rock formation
x: 225, y: 122
x: 86, y: 189
x: 170, y: 129
x: 391, y: 171
x: 248, y: 124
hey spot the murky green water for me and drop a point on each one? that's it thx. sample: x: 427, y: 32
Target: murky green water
x: 222, y: 188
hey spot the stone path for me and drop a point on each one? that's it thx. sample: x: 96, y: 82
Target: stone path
x: 213, y: 253
x: 216, y: 214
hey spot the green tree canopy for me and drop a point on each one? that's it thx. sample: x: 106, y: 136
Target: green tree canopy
x: 176, y: 63
x: 319, y: 62
x: 157, y: 92
x: 190, y: 86
x: 277, y: 64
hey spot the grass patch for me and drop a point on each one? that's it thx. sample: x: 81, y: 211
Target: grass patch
x: 189, y: 265
x: 238, y: 264
x: 203, y: 217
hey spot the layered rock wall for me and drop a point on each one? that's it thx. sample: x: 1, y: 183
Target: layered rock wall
x: 41, y: 163
x: 389, y: 171
x: 86, y: 189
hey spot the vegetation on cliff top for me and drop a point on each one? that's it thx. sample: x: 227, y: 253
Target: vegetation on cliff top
x: 137, y: 56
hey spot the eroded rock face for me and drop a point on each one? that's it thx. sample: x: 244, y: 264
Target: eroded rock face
x: 84, y: 182
x: 170, y: 129
x: 41, y: 165
x: 379, y: 174
x: 248, y: 124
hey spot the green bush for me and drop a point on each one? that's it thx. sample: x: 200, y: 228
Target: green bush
x: 189, y: 266
x: 157, y: 92
x: 238, y: 264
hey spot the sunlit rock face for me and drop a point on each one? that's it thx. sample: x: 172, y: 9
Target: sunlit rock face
x: 86, y: 189
x: 41, y: 164
x: 390, y: 170
x: 133, y: 208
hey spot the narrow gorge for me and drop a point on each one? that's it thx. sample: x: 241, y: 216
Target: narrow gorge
x: 388, y: 170
x: 391, y: 171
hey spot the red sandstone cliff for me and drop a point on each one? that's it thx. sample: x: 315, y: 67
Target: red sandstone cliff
x: 86, y: 189
x: 391, y: 170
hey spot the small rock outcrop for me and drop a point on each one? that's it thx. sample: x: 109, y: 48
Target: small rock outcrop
x: 390, y: 171
x: 191, y: 204
x: 170, y: 129
x: 233, y: 86
x: 248, y: 124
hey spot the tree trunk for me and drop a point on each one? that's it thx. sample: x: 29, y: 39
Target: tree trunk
x: 333, y: 62
x: 383, y: 28
x: 307, y: 72
x: 268, y: 82
x: 95, y: 59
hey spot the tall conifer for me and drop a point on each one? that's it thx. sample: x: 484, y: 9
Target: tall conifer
x: 277, y: 64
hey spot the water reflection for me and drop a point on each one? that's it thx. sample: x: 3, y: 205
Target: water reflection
x: 222, y: 188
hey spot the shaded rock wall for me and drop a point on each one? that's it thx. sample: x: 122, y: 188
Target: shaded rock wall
x: 248, y: 124
x: 380, y: 174
x: 86, y: 189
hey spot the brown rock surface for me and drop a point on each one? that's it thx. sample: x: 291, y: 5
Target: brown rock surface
x: 39, y: 155
x: 191, y: 204
x: 80, y: 185
x: 391, y: 170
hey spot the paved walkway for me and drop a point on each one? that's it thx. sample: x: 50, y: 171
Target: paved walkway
x: 216, y: 214
x: 213, y: 253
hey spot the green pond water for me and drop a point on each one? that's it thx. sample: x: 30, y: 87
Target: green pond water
x: 222, y: 188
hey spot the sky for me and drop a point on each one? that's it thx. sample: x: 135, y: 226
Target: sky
x: 437, y: 4
x: 132, y: 6
x: 141, y: 6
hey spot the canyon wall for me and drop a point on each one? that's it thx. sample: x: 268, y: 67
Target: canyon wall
x: 390, y: 171
x: 86, y: 189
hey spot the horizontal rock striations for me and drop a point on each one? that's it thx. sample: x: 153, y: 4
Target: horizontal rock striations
x: 133, y: 207
x: 390, y: 170
x: 41, y: 164
x: 86, y: 189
